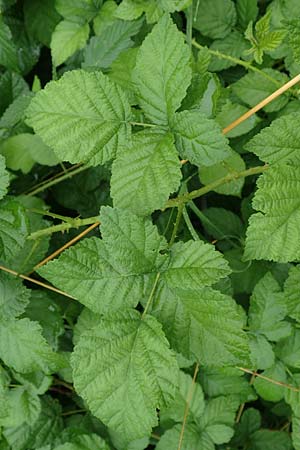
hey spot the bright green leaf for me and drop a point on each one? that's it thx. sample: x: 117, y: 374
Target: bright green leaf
x: 146, y: 173
x: 124, y: 370
x: 89, y: 105
x: 67, y: 38
x: 160, y: 88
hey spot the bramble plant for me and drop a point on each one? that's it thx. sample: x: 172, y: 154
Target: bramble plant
x: 149, y: 225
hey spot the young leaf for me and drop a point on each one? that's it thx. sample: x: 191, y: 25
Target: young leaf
x: 199, y: 139
x: 278, y: 143
x: 214, y: 19
x: 67, y: 38
x: 124, y: 370
x: 160, y: 88
x: 83, y: 117
x: 272, y: 234
x: 23, y: 348
x: 144, y: 175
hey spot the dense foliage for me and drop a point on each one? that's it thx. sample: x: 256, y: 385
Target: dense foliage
x: 173, y: 321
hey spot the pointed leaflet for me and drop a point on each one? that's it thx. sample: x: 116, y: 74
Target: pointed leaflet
x: 23, y: 347
x: 13, y: 229
x: 84, y: 117
x: 124, y: 370
x: 199, y: 139
x: 115, y: 272
x: 268, y: 310
x: 14, y: 296
x: 4, y: 178
x: 202, y: 324
x: 292, y: 293
x: 144, y: 175
x: 67, y: 38
x: 273, y: 234
x: 278, y: 143
x: 162, y: 73
x: 110, y: 273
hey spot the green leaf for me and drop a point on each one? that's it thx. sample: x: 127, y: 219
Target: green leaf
x: 293, y: 29
x: 24, y: 150
x: 175, y: 410
x: 77, y: 10
x: 199, y: 139
x: 295, y: 432
x: 41, y: 19
x: 288, y: 350
x: 268, y: 310
x: 193, y: 438
x: 278, y: 143
x: 12, y: 85
x: 121, y: 72
x: 222, y: 223
x: 13, y: 229
x: 130, y: 9
x: 144, y: 175
x: 102, y: 50
x: 160, y: 88
x: 262, y: 355
x: 247, y: 11
x: 14, y: 296
x: 196, y: 262
x: 272, y: 234
x: 124, y: 370
x: 46, y: 312
x: 254, y: 87
x: 270, y: 440
x: 268, y: 390
x: 85, y: 442
x: 83, y: 117
x: 291, y: 293
x: 226, y: 381
x: 233, y: 163
x: 234, y: 44
x: 8, y: 50
x: 42, y: 432
x: 232, y: 111
x: 202, y: 324
x: 214, y: 19
x: 23, y: 348
x: 24, y: 406
x: 105, y: 17
x: 4, y: 178
x: 115, y: 271
x: 67, y: 38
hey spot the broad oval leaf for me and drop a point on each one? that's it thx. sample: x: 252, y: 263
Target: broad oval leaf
x: 162, y: 73
x: 144, y: 175
x: 124, y: 370
x: 84, y: 117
